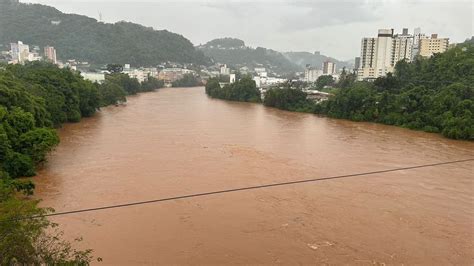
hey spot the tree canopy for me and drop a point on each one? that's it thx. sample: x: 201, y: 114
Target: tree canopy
x: 244, y: 90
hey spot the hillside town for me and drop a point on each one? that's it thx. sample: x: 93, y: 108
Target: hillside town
x: 378, y: 57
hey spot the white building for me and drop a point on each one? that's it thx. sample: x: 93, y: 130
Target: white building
x: 378, y: 56
x: 417, y: 36
x: 259, y: 70
x: 402, y: 47
x: 141, y: 74
x: 225, y: 70
x: 19, y: 52
x: 232, y: 78
x: 383, y: 52
x: 258, y: 81
x: 94, y: 77
x: 312, y: 74
x: 329, y: 68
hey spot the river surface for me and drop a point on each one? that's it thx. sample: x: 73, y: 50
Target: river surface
x: 178, y: 141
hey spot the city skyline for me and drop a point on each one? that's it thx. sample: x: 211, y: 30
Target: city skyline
x: 285, y: 25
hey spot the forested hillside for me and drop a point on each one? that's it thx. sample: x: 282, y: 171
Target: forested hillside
x: 233, y: 52
x: 86, y: 39
x: 314, y: 59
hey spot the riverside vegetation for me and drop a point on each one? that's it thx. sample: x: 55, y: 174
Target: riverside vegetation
x: 434, y: 95
x: 35, y: 99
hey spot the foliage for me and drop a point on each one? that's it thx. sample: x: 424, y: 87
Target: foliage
x: 130, y: 85
x: 67, y: 96
x: 111, y: 93
x: 244, y: 90
x: 434, y: 95
x: 86, y: 39
x: 31, y: 241
x: 288, y: 98
x: 188, y: 80
x: 114, y: 68
x: 346, y: 80
x: 323, y: 81
x: 151, y: 84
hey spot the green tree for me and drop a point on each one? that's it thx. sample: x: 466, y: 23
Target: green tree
x: 188, y: 80
x: 244, y: 90
x: 31, y: 241
x: 288, y: 99
x: 114, y: 68
x: 37, y: 143
x: 111, y: 93
x: 323, y: 81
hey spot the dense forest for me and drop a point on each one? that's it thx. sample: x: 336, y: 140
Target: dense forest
x: 234, y: 53
x: 86, y: 39
x: 34, y: 99
x: 243, y: 90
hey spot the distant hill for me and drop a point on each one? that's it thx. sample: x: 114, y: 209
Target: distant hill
x: 314, y: 59
x: 86, y: 39
x: 235, y: 53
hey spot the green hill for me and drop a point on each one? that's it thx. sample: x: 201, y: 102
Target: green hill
x: 86, y: 39
x: 233, y: 52
x: 305, y: 58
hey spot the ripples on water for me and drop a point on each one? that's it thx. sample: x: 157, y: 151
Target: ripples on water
x: 178, y: 141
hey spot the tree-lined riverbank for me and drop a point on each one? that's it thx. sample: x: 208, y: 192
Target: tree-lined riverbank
x: 434, y: 95
x: 34, y: 100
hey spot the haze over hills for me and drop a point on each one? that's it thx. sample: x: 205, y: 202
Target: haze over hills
x: 235, y: 53
x: 314, y: 59
x: 84, y: 38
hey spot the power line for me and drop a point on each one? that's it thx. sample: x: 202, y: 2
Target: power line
x: 239, y: 189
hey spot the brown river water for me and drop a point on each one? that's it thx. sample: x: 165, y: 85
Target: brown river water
x: 178, y: 141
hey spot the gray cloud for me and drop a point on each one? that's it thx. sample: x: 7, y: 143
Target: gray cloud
x: 323, y: 14
x: 332, y: 27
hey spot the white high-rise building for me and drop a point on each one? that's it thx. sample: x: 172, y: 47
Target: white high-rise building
x: 367, y: 52
x: 402, y: 47
x: 379, y: 55
x: 20, y: 52
x: 312, y: 74
x: 383, y: 53
x: 329, y: 68
x: 417, y: 36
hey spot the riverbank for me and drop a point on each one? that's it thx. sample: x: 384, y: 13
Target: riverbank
x: 433, y: 95
x: 35, y: 100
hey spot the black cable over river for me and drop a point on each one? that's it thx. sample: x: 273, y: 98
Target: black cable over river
x: 177, y: 141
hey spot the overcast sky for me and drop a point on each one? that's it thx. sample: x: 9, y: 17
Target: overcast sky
x: 332, y: 27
